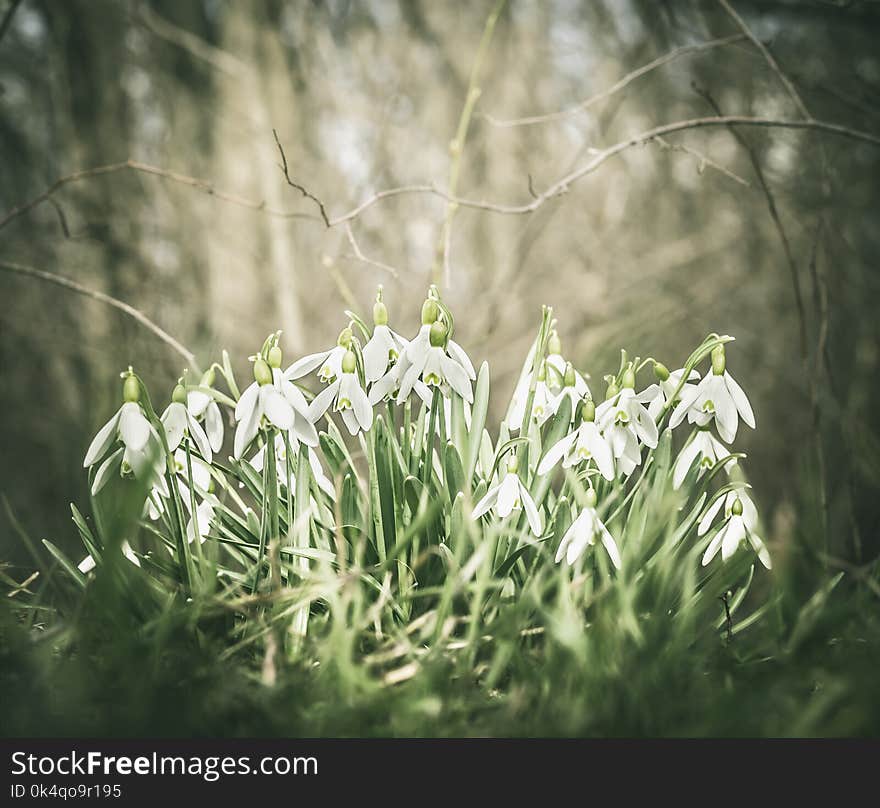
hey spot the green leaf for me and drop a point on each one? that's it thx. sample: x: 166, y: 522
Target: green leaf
x: 66, y: 564
x: 478, y: 421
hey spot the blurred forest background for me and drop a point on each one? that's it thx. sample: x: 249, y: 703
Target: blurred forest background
x: 769, y: 234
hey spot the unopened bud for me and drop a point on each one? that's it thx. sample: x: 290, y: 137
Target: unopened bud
x: 438, y: 334
x: 349, y: 362
x: 178, y: 395
x: 629, y: 378
x: 274, y: 357
x: 430, y: 311
x: 719, y: 360
x: 612, y: 390
x: 588, y: 411
x: 661, y: 371
x: 568, y: 378
x: 208, y: 378
x: 590, y: 499
x: 554, y: 344
x: 131, y: 388
x: 262, y: 372
x: 380, y: 313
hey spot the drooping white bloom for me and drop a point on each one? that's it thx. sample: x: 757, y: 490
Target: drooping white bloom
x: 625, y: 422
x: 707, y: 448
x: 507, y: 496
x: 663, y: 391
x: 436, y: 363
x: 583, y: 533
x: 203, y: 408
x: 141, y: 453
x: 328, y: 363
x: 717, y: 396
x: 201, y: 483
x: 382, y: 352
x: 740, y: 523
x: 179, y: 421
x: 583, y: 444
x: 347, y: 397
x: 544, y: 403
x: 388, y: 386
x: 274, y: 397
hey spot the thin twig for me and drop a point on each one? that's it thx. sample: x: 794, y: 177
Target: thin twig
x: 703, y: 160
x: 768, y: 57
x: 359, y: 255
x: 619, y: 85
x: 131, y: 311
x: 134, y: 165
x: 302, y: 189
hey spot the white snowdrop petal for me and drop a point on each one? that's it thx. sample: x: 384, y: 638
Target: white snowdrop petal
x: 199, y: 437
x: 306, y: 365
x: 487, y: 502
x: 174, y: 421
x: 610, y: 545
x: 507, y: 495
x: 214, y: 426
x: 740, y: 400
x: 555, y: 453
x: 247, y: 402
x: 322, y: 401
x: 276, y: 407
x: 103, y: 440
x: 532, y: 515
x: 458, y: 355
x: 106, y: 470
x: 134, y: 428
x: 709, y: 516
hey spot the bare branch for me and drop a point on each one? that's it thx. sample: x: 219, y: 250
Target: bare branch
x: 703, y: 160
x: 131, y: 311
x: 144, y: 168
x: 768, y: 57
x: 619, y: 85
x: 305, y: 192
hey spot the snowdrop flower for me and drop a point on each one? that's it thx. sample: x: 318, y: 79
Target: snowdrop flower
x: 141, y: 453
x: 273, y: 396
x: 432, y: 363
x: 584, y: 444
x: 201, y: 479
x: 318, y: 473
x: 202, y: 520
x: 178, y: 421
x: 667, y: 384
x: 203, y: 408
x: 328, y: 363
x: 88, y: 563
x: 507, y: 496
x: 625, y: 422
x: 385, y: 346
x: 542, y: 401
x: 707, y: 448
x: 559, y: 376
x: 347, y: 397
x: 717, y: 396
x: 740, y: 521
x: 574, y: 388
x: 583, y: 533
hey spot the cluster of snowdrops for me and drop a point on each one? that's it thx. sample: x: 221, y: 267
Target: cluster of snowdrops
x: 290, y: 463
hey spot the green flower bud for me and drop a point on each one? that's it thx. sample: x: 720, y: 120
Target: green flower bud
x: 208, y: 378
x: 568, y: 378
x: 588, y: 410
x: 737, y: 508
x: 612, y: 390
x: 430, y: 311
x: 661, y: 371
x: 178, y: 396
x: 438, y: 334
x: 719, y: 360
x: 344, y: 339
x: 512, y: 464
x: 590, y: 499
x: 380, y: 313
x: 349, y: 362
x: 629, y: 378
x: 554, y: 344
x: 262, y: 372
x: 131, y: 388
x: 274, y: 357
